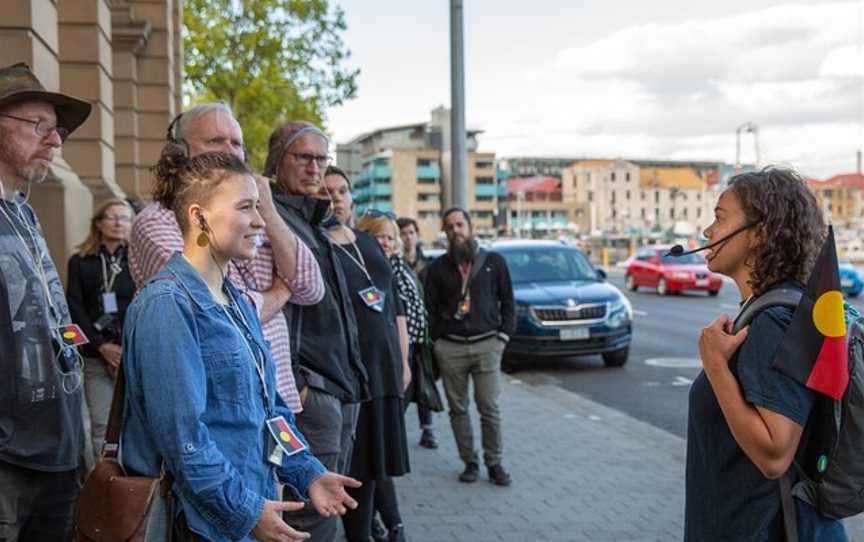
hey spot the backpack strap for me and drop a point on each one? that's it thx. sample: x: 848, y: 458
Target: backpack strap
x: 783, y: 297
x: 790, y: 515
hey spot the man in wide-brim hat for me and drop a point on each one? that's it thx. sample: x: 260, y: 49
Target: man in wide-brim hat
x: 41, y: 430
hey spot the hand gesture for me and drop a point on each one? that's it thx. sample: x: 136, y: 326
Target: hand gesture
x: 111, y: 353
x: 265, y: 194
x: 717, y: 345
x: 271, y: 528
x: 328, y: 494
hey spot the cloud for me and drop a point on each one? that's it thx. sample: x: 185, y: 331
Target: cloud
x: 682, y: 89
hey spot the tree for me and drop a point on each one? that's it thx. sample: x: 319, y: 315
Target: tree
x: 271, y: 60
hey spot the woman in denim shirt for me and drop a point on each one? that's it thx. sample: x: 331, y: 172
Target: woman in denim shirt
x: 200, y: 382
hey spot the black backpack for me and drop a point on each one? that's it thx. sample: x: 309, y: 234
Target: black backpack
x: 830, y: 460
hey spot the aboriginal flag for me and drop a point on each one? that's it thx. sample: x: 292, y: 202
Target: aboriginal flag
x: 813, y: 351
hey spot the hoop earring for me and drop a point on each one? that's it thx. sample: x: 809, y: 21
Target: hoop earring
x: 202, y: 240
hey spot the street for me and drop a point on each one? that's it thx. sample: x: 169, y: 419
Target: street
x: 664, y: 357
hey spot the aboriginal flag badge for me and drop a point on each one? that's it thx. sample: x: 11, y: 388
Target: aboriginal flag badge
x: 286, y: 438
x: 813, y: 350
x: 72, y: 335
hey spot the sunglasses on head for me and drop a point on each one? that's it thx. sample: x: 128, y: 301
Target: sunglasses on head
x: 376, y: 214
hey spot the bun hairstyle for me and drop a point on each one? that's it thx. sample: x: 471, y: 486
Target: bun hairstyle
x: 181, y: 181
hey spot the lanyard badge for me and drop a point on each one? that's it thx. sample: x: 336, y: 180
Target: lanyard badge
x: 285, y: 440
x: 373, y: 298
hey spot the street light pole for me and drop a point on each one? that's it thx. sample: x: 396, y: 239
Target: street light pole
x: 458, y: 156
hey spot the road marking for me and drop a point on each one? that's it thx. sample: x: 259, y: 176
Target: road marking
x: 651, y: 384
x: 676, y: 363
x: 730, y: 306
x: 681, y: 381
x: 639, y: 313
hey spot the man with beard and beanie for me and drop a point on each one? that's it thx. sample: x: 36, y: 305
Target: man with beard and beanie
x: 328, y: 370
x: 471, y: 317
x: 41, y: 427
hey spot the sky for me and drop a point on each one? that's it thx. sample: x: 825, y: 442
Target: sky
x: 667, y: 79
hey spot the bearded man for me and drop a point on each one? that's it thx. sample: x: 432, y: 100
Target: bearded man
x: 471, y: 317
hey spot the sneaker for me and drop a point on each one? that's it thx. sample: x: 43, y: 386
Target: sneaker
x: 428, y: 440
x: 397, y: 534
x: 499, y: 476
x: 379, y: 532
x: 470, y: 474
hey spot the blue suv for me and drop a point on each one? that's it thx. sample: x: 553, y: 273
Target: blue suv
x: 564, y: 307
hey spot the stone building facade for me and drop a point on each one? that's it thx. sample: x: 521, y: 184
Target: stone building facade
x: 125, y: 57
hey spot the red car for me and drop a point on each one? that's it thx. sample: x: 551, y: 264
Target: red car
x: 651, y: 267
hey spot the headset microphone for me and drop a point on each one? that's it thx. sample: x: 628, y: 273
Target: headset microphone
x: 678, y: 250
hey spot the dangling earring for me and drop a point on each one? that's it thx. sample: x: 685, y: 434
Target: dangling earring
x: 202, y: 240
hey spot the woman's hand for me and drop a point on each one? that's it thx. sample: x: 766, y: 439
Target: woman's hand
x: 717, y: 346
x: 271, y: 528
x: 111, y: 353
x: 406, y: 376
x: 328, y: 494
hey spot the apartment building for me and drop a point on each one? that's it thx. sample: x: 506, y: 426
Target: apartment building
x: 406, y: 169
x: 621, y: 197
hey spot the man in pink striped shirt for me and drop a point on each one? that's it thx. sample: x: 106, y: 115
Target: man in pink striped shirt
x: 284, y: 269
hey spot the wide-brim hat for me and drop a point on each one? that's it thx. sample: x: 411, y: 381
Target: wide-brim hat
x: 19, y: 84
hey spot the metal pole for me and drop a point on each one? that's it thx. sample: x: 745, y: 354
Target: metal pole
x: 458, y: 156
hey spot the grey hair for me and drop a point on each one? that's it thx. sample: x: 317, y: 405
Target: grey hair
x: 196, y: 112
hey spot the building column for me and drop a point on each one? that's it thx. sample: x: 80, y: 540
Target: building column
x: 86, y: 72
x: 29, y: 33
x: 157, y: 73
x: 129, y: 37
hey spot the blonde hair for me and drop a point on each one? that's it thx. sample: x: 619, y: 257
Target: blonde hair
x: 94, y: 238
x: 377, y: 225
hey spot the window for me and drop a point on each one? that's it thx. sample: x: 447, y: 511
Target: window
x: 483, y: 164
x: 699, y: 212
x: 427, y: 215
x: 699, y: 196
x: 484, y: 198
x: 421, y: 180
x: 672, y: 212
x: 613, y: 176
x: 612, y: 197
x: 656, y: 196
x: 628, y: 195
x: 484, y: 180
x: 642, y: 195
x: 590, y: 196
x: 423, y: 162
x: 627, y: 176
x: 548, y: 265
x: 642, y: 212
x: 685, y: 212
x: 614, y: 213
x: 427, y: 197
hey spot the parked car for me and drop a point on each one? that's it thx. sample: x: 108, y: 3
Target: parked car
x: 850, y: 279
x: 564, y: 307
x: 653, y: 268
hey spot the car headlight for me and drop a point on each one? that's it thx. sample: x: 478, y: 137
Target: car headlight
x: 523, y: 309
x: 620, y: 312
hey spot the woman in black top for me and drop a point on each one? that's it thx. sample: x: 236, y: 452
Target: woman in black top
x: 747, y: 418
x: 100, y: 288
x: 380, y: 447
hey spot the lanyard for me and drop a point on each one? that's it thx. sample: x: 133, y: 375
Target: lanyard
x: 36, y: 258
x: 116, y: 269
x: 259, y: 363
x: 465, y: 271
x: 361, y: 263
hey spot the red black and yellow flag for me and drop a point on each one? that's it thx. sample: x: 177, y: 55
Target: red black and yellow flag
x: 813, y: 351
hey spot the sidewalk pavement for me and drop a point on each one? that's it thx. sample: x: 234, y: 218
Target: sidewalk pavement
x: 581, y: 471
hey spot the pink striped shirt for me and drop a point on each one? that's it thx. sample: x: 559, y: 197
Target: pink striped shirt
x: 156, y: 236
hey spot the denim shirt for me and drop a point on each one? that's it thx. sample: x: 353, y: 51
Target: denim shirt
x: 194, y: 400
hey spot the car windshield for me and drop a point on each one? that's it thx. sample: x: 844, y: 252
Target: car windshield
x: 548, y: 265
x: 683, y: 260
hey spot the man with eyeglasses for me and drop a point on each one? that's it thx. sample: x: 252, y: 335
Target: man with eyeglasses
x: 283, y: 270
x: 325, y: 349
x: 41, y: 428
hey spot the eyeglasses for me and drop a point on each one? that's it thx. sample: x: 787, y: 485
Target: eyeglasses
x: 375, y: 213
x: 41, y: 127
x: 117, y: 218
x: 304, y: 159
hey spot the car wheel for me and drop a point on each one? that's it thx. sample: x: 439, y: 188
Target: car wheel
x: 854, y: 294
x: 662, y: 287
x: 713, y: 293
x: 616, y: 358
x: 630, y: 283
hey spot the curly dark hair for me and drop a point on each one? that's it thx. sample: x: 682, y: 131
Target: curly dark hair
x: 181, y: 180
x: 790, y: 227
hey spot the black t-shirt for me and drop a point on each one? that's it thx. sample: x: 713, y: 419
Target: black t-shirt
x: 40, y: 423
x: 728, y: 498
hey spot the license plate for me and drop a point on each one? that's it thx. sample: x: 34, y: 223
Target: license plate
x: 701, y: 282
x: 846, y: 283
x: 575, y: 334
